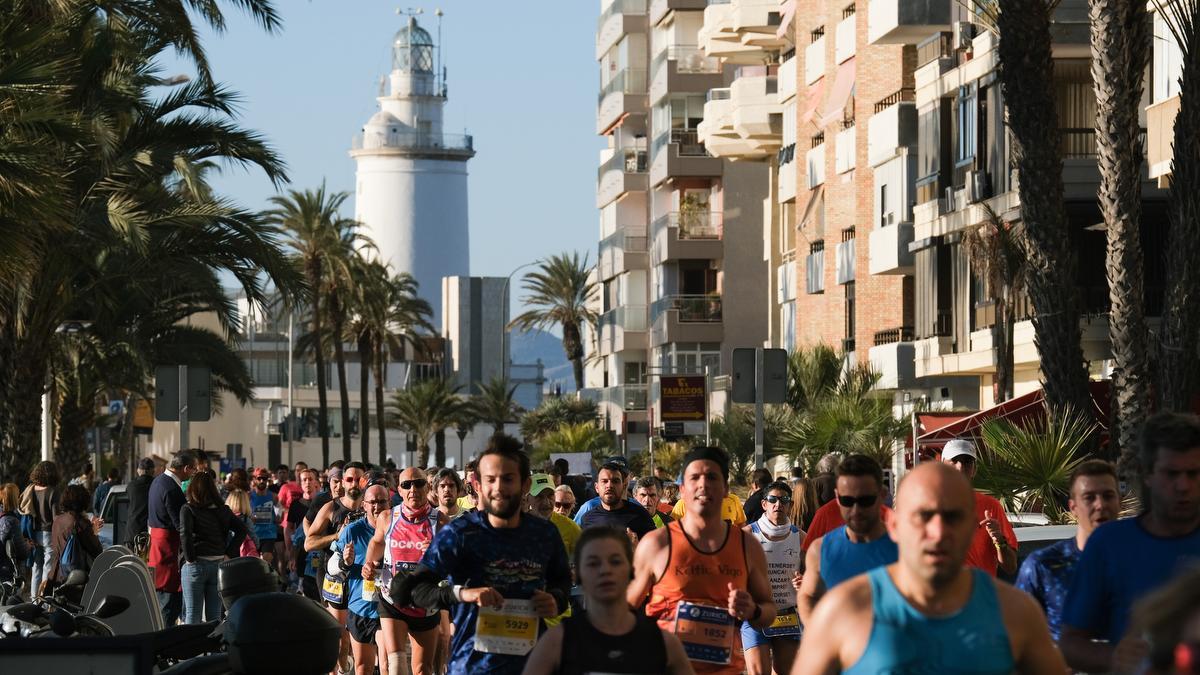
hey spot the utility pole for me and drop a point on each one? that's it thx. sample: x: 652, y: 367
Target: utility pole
x: 183, y: 408
x: 759, y: 383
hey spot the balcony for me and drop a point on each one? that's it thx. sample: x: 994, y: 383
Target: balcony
x: 891, y: 22
x: 892, y: 127
x: 893, y: 357
x: 1160, y: 136
x: 694, y: 235
x: 716, y: 129
x: 622, y: 329
x: 814, y: 60
x: 622, y: 251
x: 889, y: 252
x: 845, y: 259
x: 683, y: 69
x: 686, y: 318
x: 847, y: 150
x: 619, y: 19
x: 787, y: 79
x: 659, y: 8
x: 679, y: 153
x: 412, y: 142
x: 739, y: 30
x: 749, y: 124
x: 624, y: 172
x: 845, y: 38
x: 624, y: 94
x: 625, y: 397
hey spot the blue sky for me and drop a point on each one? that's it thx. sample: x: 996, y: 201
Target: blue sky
x: 522, y: 80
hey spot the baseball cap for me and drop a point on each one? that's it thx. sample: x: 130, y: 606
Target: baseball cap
x: 957, y: 448
x: 539, y: 482
x: 618, y: 461
x: 146, y: 464
x: 262, y: 472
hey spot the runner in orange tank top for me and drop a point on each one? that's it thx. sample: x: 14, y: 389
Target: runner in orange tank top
x: 701, y: 575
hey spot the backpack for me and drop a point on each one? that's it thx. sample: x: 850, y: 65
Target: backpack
x: 72, y: 556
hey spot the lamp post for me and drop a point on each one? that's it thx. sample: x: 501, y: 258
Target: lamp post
x: 504, y: 331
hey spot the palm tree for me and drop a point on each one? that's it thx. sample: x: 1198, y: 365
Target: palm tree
x: 317, y: 235
x: 560, y: 292
x: 575, y: 437
x: 555, y: 412
x: 996, y: 250
x: 494, y: 403
x: 1179, y: 333
x: 423, y: 410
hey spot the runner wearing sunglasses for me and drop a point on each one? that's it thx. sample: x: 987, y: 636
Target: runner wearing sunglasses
x: 402, y: 535
x: 324, y: 531
x: 860, y: 545
x: 775, y: 646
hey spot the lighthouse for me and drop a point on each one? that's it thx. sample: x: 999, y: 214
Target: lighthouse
x: 411, y: 177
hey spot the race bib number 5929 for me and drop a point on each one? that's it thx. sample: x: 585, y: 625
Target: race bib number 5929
x: 512, y: 629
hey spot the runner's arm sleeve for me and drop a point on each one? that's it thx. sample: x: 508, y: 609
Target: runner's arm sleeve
x: 426, y: 588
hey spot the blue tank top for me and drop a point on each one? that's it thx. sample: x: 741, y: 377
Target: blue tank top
x: 262, y: 511
x: 842, y: 559
x: 972, y: 641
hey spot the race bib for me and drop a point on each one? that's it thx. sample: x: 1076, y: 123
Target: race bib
x: 787, y: 622
x: 510, y: 630
x: 706, y: 632
x: 370, y: 592
x: 333, y: 590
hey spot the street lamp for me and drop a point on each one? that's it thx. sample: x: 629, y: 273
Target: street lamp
x: 504, y: 331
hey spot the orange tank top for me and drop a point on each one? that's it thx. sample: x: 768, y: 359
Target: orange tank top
x: 702, y: 578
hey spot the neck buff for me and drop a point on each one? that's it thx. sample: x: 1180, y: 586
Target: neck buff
x: 772, y: 530
x: 415, y: 515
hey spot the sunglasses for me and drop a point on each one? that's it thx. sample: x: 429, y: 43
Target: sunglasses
x: 414, y: 483
x: 863, y: 501
x: 773, y: 499
x: 261, y: 479
x: 565, y: 505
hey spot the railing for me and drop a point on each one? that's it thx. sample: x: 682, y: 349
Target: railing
x: 943, y: 324
x: 848, y: 12
x: 848, y: 233
x: 688, y: 141
x: 904, y: 94
x: 627, y: 81
x: 847, y: 123
x: 689, y: 60
x: 719, y: 2
x: 414, y: 141
x: 939, y: 46
x: 894, y: 335
x: 816, y: 34
x: 1080, y: 143
x: 818, y: 139
x: 636, y: 7
x: 690, y: 308
x: 720, y: 94
x: 702, y: 224
x: 627, y: 160
x: 755, y: 71
x: 628, y: 317
x: 786, y: 154
x: 626, y: 241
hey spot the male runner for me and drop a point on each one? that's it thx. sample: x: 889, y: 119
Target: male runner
x: 616, y: 511
x: 402, y: 535
x: 326, y: 527
x: 541, y: 504
x: 350, y: 551
x: 649, y: 493
x: 703, y: 574
x: 564, y: 501
x: 859, y: 545
x: 1046, y: 574
x: 775, y: 646
x: 447, y: 486
x: 995, y: 543
x: 1127, y: 559
x: 928, y: 613
x: 262, y: 512
x: 498, y: 570
x: 293, y: 534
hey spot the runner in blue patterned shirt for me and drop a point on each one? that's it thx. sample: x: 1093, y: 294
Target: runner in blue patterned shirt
x: 1046, y: 574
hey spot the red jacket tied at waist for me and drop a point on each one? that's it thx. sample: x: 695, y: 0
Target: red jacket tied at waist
x: 164, y: 558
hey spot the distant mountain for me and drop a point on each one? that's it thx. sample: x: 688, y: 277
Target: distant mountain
x: 528, y: 347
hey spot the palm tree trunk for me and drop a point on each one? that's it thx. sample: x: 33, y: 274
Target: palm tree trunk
x: 573, y: 345
x: 423, y: 452
x: 1026, y: 75
x: 1180, y: 321
x: 314, y: 282
x: 1120, y: 50
x: 380, y: 419
x: 339, y: 355
x: 439, y: 446
x: 1004, y: 355
x: 364, y: 397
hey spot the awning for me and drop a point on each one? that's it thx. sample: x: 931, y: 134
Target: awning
x: 787, y: 13
x: 812, y: 100
x: 817, y: 196
x: 839, y: 95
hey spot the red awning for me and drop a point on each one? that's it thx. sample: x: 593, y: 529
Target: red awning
x: 812, y: 100
x: 787, y: 12
x: 839, y: 95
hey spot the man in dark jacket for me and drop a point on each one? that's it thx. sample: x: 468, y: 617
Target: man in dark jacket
x: 139, y: 493
x: 752, y: 507
x: 164, y: 504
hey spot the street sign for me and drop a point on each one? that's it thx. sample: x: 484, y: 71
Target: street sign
x: 672, y: 430
x: 775, y: 365
x: 683, y: 398
x: 166, y: 393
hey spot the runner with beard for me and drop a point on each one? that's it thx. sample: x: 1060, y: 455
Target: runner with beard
x: 324, y: 531
x: 499, y: 571
x: 703, y: 574
x: 402, y: 535
x: 859, y: 545
x: 349, y: 554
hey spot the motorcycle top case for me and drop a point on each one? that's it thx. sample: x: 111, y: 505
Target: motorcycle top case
x: 281, y: 633
x: 245, y: 576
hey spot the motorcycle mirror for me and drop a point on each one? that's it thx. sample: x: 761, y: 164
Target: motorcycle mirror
x: 110, y: 606
x: 61, y: 623
x: 75, y: 578
x: 27, y: 612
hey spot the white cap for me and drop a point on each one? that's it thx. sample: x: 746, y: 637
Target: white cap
x: 957, y: 448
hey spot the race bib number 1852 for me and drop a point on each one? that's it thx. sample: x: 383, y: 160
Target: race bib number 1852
x: 512, y: 629
x: 705, y: 631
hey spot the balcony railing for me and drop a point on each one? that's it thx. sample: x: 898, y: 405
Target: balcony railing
x: 628, y: 241
x: 894, y: 335
x: 719, y: 94
x: 1080, y: 143
x: 413, y: 140
x: 688, y: 141
x: 628, y: 317
x: 901, y: 95
x: 939, y: 46
x: 625, y: 396
x: 627, y: 81
x: 690, y: 308
x: 636, y: 7
x: 689, y: 60
x: 703, y: 224
x: 626, y: 160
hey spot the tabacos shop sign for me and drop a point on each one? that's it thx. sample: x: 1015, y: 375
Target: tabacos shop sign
x: 684, y: 403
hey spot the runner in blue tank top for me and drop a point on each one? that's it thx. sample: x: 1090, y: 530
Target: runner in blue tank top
x: 860, y: 545
x: 927, y: 613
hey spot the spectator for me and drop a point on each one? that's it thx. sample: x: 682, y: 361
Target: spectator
x: 114, y: 478
x: 40, y: 500
x: 208, y: 532
x: 753, y: 505
x: 825, y: 481
x: 71, y: 523
x: 564, y: 501
x: 804, y: 503
x: 85, y: 479
x: 995, y: 544
x: 164, y: 504
x: 139, y: 495
x: 10, y: 534
x: 238, y: 502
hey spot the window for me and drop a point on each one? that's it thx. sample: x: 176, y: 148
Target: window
x: 929, y: 137
x: 883, y: 205
x: 1168, y: 61
x: 966, y: 115
x: 848, y: 343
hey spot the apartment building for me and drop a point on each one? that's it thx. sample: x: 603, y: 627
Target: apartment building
x: 857, y: 129
x: 964, y: 162
x: 1163, y: 88
x: 681, y: 267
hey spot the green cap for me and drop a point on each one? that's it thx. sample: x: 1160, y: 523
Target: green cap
x: 540, y: 482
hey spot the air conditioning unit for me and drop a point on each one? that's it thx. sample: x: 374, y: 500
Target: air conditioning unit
x: 964, y: 32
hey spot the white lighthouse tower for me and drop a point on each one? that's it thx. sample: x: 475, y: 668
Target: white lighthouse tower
x: 411, y: 193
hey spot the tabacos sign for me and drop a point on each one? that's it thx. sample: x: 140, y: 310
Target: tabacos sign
x: 683, y: 398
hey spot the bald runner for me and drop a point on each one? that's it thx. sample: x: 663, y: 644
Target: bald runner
x: 928, y: 612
